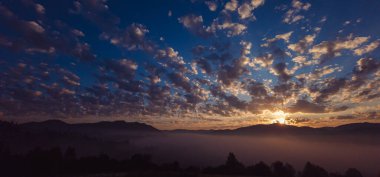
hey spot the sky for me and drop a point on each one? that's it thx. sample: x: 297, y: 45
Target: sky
x: 191, y: 64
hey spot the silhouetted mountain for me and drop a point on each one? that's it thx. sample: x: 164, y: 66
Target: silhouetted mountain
x: 280, y: 129
x: 359, y: 128
x: 270, y: 129
x: 261, y: 129
x: 57, y: 125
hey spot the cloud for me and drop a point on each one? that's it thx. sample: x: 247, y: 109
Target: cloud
x: 292, y: 15
x: 245, y: 11
x: 365, y: 66
x: 264, y: 60
x: 232, y: 5
x: 331, y: 87
x: 330, y: 49
x: 257, y: 90
x: 367, y: 49
x: 205, y: 66
x: 32, y: 25
x: 97, y: 11
x: 132, y: 38
x: 233, y: 29
x: 298, y: 120
x: 228, y: 74
x: 83, y: 51
x: 306, y: 107
x: 319, y: 73
x: 78, y: 33
x: 284, y: 36
x: 195, y: 25
x: 69, y: 78
x: 173, y: 59
x: 31, y: 37
x: 40, y: 9
x: 212, y: 5
x: 281, y: 71
x: 198, y: 50
x: 302, y: 60
x: 181, y: 81
x: 370, y: 115
x: 123, y: 68
x: 257, y: 3
x: 343, y: 117
x: 302, y: 45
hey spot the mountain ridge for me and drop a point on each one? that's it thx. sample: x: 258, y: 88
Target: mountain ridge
x: 353, y: 128
x: 356, y: 128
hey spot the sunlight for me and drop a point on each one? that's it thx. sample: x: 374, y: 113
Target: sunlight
x: 280, y: 117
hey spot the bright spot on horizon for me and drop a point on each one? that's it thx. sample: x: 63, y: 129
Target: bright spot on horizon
x: 280, y: 117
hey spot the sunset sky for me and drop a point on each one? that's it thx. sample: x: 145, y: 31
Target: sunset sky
x: 193, y: 64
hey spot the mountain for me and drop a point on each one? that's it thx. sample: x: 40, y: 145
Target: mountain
x: 88, y: 138
x: 279, y: 129
x: 136, y: 127
x: 57, y: 125
x: 116, y: 131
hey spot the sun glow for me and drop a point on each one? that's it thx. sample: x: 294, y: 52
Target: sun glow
x: 280, y: 117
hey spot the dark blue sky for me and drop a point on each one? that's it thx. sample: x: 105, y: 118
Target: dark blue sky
x: 190, y: 63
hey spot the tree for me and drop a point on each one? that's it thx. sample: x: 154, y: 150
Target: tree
x: 259, y: 169
x: 232, y: 161
x: 311, y: 170
x: 232, y: 166
x: 141, y: 161
x: 353, y: 172
x: 282, y: 170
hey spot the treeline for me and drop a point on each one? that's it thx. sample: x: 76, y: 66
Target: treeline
x: 55, y: 162
x: 277, y: 169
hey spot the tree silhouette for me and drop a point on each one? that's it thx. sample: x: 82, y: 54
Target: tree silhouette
x: 232, y: 165
x: 141, y: 161
x: 281, y: 170
x: 353, y: 172
x: 232, y: 161
x: 259, y: 169
x: 52, y: 162
x: 311, y: 170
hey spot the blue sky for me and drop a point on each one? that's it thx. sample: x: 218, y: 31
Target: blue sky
x: 190, y: 63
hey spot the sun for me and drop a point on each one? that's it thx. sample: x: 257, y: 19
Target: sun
x: 281, y: 120
x: 280, y: 117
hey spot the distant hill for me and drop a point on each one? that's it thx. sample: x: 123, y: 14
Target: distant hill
x: 120, y: 137
x: 135, y: 127
x: 57, y: 125
x: 279, y: 129
x: 88, y: 138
